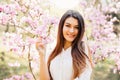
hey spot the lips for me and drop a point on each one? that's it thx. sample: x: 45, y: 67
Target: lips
x: 70, y: 36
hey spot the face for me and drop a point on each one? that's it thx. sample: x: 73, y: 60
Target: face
x: 70, y: 29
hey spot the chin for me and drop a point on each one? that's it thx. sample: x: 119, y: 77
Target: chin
x: 70, y: 40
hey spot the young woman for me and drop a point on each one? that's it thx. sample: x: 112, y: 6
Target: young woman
x: 70, y: 60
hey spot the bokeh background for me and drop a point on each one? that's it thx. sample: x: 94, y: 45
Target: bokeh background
x: 22, y: 21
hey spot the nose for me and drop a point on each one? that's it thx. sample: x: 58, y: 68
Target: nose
x: 71, y: 30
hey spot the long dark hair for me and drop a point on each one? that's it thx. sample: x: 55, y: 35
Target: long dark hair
x: 78, y: 54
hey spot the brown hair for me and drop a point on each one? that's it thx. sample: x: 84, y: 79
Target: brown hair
x: 78, y: 54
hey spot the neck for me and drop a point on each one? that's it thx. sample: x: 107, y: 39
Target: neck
x: 67, y: 45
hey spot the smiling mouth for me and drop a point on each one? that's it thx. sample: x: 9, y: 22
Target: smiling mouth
x: 71, y: 36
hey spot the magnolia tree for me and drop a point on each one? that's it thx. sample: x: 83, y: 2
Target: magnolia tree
x: 25, y: 21
x: 103, y: 41
x: 30, y: 19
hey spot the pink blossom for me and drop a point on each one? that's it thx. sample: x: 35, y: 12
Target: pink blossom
x: 30, y: 40
x: 28, y: 76
x: 1, y: 9
x: 5, y: 19
x: 83, y: 3
x: 23, y: 8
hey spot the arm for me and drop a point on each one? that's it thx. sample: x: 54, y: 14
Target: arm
x: 44, y: 74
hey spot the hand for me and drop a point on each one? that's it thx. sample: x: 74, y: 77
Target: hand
x: 40, y: 46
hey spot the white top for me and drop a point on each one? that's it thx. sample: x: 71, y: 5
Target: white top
x: 61, y: 67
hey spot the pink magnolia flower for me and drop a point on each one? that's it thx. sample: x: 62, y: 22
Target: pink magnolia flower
x: 30, y: 41
x: 1, y: 8
x: 28, y: 76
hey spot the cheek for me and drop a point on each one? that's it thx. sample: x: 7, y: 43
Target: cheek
x: 76, y: 32
x: 64, y: 29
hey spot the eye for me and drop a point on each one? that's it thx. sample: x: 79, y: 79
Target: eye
x: 67, y: 25
x: 76, y: 27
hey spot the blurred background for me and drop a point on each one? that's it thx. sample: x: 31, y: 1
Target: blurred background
x: 22, y: 21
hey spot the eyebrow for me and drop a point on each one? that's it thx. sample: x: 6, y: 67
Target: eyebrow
x: 69, y: 23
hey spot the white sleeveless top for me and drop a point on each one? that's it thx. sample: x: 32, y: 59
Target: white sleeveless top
x: 61, y: 67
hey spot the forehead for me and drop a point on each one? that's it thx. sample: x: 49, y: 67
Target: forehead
x: 71, y: 20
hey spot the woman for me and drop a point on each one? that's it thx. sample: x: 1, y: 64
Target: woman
x: 70, y: 59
